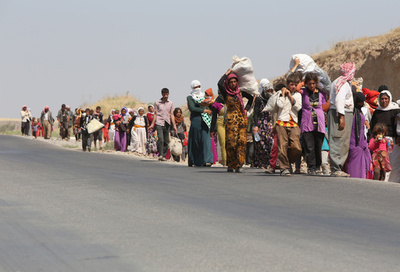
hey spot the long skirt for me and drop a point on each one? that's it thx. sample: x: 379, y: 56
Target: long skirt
x: 138, y: 140
x: 200, y: 151
x: 120, y: 141
x: 235, y: 133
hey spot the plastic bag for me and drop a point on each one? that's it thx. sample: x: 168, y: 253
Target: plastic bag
x: 307, y: 65
x: 94, y: 125
x: 175, y: 146
x: 243, y: 68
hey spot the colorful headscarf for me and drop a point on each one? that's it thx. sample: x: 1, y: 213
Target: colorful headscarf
x: 348, y: 70
x: 235, y: 92
x: 126, y: 111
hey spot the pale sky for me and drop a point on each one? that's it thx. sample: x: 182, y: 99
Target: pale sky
x: 76, y: 51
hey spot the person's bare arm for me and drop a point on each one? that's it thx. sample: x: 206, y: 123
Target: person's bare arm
x: 154, y: 121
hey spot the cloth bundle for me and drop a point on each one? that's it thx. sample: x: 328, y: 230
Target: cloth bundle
x: 307, y: 65
x: 175, y: 146
x: 243, y: 69
x: 94, y: 125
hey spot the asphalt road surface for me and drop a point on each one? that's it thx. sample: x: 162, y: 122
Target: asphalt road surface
x: 64, y: 210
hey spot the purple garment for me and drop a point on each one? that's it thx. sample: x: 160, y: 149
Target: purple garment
x: 359, y: 158
x: 306, y: 118
x: 218, y: 106
x: 120, y: 141
x: 214, y: 148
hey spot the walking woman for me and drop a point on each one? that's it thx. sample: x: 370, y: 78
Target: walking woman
x: 236, y: 121
x: 200, y: 152
x: 262, y: 130
x: 218, y: 109
x: 312, y: 123
x: 120, y: 130
x: 26, y: 117
x: 180, y: 123
x: 387, y: 113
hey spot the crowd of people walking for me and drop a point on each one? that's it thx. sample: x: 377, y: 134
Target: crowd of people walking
x: 338, y: 128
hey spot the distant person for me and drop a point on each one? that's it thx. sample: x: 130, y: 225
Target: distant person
x: 379, y: 148
x: 180, y: 123
x: 236, y: 121
x: 263, y: 124
x: 47, y: 120
x: 26, y: 117
x: 340, y: 119
x: 199, y: 148
x: 111, y: 127
x: 106, y: 136
x: 63, y: 120
x: 162, y: 122
x: 387, y: 113
x: 139, y: 133
x: 35, y: 127
x: 359, y: 158
x: 120, y: 130
x: 77, y: 124
x: 218, y: 109
x: 70, y: 122
x: 98, y: 135
x: 150, y: 113
x: 86, y: 137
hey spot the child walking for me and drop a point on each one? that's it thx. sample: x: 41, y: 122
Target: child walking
x: 379, y: 147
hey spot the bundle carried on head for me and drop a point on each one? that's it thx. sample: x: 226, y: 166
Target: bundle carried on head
x: 243, y: 68
x: 307, y: 65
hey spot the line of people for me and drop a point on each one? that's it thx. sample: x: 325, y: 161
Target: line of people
x: 339, y: 129
x: 342, y: 130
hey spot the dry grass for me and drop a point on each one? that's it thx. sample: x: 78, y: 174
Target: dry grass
x: 117, y: 102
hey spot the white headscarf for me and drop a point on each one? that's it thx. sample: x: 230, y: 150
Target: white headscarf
x: 196, y: 92
x: 141, y: 108
x: 392, y: 105
x: 265, y: 84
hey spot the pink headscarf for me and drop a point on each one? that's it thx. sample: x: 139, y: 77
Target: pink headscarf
x: 348, y: 71
x: 235, y: 92
x: 46, y: 107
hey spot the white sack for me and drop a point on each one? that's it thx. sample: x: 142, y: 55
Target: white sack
x: 243, y: 68
x: 307, y: 65
x: 94, y: 125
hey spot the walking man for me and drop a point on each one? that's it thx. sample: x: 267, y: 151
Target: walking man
x: 163, y: 119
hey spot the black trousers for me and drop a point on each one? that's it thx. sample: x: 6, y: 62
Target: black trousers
x: 312, y: 147
x: 163, y: 139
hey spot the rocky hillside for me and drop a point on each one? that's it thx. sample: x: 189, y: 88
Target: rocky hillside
x: 377, y: 60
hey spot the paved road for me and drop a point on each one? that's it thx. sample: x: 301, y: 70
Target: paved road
x: 63, y: 210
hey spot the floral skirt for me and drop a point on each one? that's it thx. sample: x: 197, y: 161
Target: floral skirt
x: 380, y: 160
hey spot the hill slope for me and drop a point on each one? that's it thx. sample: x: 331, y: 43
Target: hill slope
x: 117, y: 102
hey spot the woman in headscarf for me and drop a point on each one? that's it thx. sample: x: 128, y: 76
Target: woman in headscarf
x: 111, y: 128
x: 26, y: 117
x: 139, y: 125
x: 131, y: 114
x: 235, y: 122
x: 180, y: 123
x: 386, y: 113
x: 262, y: 129
x: 199, y: 147
x: 121, y: 122
x: 218, y: 125
x: 77, y: 123
x: 359, y: 158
